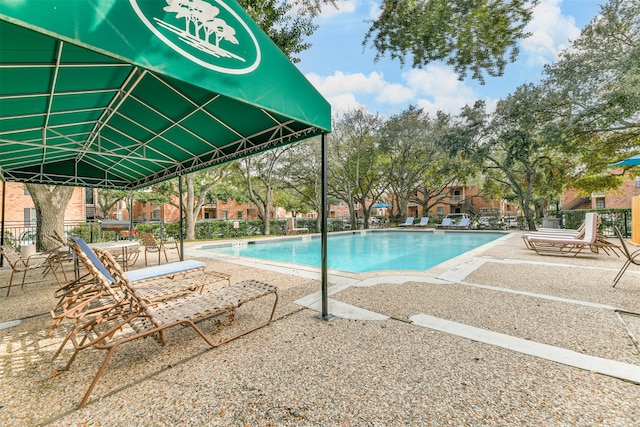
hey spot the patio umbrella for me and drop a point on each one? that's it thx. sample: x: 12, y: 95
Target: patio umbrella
x: 631, y: 161
x: 380, y: 206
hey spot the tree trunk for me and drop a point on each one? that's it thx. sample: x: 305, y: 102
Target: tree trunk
x: 189, y: 214
x: 51, y: 203
x: 265, y: 217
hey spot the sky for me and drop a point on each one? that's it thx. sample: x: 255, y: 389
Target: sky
x: 345, y: 72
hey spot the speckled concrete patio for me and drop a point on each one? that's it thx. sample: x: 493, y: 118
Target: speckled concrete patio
x: 498, y: 336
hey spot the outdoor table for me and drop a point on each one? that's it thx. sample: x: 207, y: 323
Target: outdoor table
x: 125, y: 251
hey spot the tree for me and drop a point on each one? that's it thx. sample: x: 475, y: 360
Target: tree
x: 198, y: 185
x: 478, y: 36
x: 287, y: 23
x: 107, y: 199
x: 262, y: 174
x: 419, y: 169
x: 512, y: 147
x: 356, y: 166
x: 302, y: 174
x: 596, y: 85
x: 51, y: 202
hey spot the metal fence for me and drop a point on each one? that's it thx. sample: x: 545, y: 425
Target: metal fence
x: 210, y: 229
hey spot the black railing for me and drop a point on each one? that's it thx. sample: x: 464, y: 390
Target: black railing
x: 620, y: 218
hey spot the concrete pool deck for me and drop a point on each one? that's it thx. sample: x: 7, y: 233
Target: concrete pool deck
x: 497, y: 336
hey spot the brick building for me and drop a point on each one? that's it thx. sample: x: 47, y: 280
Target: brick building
x: 615, y: 199
x: 20, y: 212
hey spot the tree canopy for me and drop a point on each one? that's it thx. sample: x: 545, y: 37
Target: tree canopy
x: 477, y: 36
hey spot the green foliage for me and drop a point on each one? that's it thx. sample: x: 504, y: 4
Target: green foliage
x: 597, y: 90
x: 589, y: 184
x: 478, y: 36
x: 286, y: 26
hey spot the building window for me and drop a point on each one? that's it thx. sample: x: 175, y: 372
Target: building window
x: 240, y: 213
x: 638, y: 181
x: 225, y: 214
x: 88, y: 196
x: 29, y: 217
x: 600, y: 203
x: 440, y: 210
x: 144, y: 216
x: 155, y: 214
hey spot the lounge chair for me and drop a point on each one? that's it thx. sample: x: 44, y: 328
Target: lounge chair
x: 47, y: 261
x: 127, y: 316
x: 423, y: 222
x: 292, y: 229
x: 632, y: 257
x: 601, y: 241
x: 464, y: 223
x: 446, y: 222
x: 152, y: 245
x: 565, y: 245
x: 407, y: 223
x: 155, y: 283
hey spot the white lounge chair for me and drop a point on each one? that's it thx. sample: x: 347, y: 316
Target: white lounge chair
x: 423, y: 222
x: 408, y: 222
x: 446, y: 222
x: 564, y: 245
x: 464, y: 223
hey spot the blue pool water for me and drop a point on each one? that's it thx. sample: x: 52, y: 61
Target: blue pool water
x: 365, y: 252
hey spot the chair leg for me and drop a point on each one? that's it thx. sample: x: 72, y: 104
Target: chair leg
x: 97, y: 377
x: 24, y: 277
x: 145, y: 257
x: 10, y: 281
x: 620, y: 273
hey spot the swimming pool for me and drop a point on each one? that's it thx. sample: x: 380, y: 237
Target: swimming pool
x: 361, y: 252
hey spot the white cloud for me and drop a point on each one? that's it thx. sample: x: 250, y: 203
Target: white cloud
x: 551, y: 32
x: 342, y: 90
x: 395, y: 93
x: 342, y: 6
x: 438, y: 88
x: 374, y: 10
x: 434, y: 88
x: 340, y: 83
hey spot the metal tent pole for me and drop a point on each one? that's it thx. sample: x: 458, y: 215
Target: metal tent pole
x: 130, y: 215
x: 4, y: 192
x: 324, y: 214
x: 180, y: 225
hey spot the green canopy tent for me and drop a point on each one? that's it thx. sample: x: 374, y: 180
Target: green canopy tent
x: 125, y: 94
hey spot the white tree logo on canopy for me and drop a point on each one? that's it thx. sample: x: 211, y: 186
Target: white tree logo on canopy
x: 196, y: 27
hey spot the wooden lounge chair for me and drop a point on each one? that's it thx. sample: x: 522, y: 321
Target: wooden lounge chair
x: 565, y: 245
x: 632, y: 257
x: 152, y: 245
x: 47, y: 261
x: 407, y: 223
x: 127, y: 316
x: 423, y: 222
